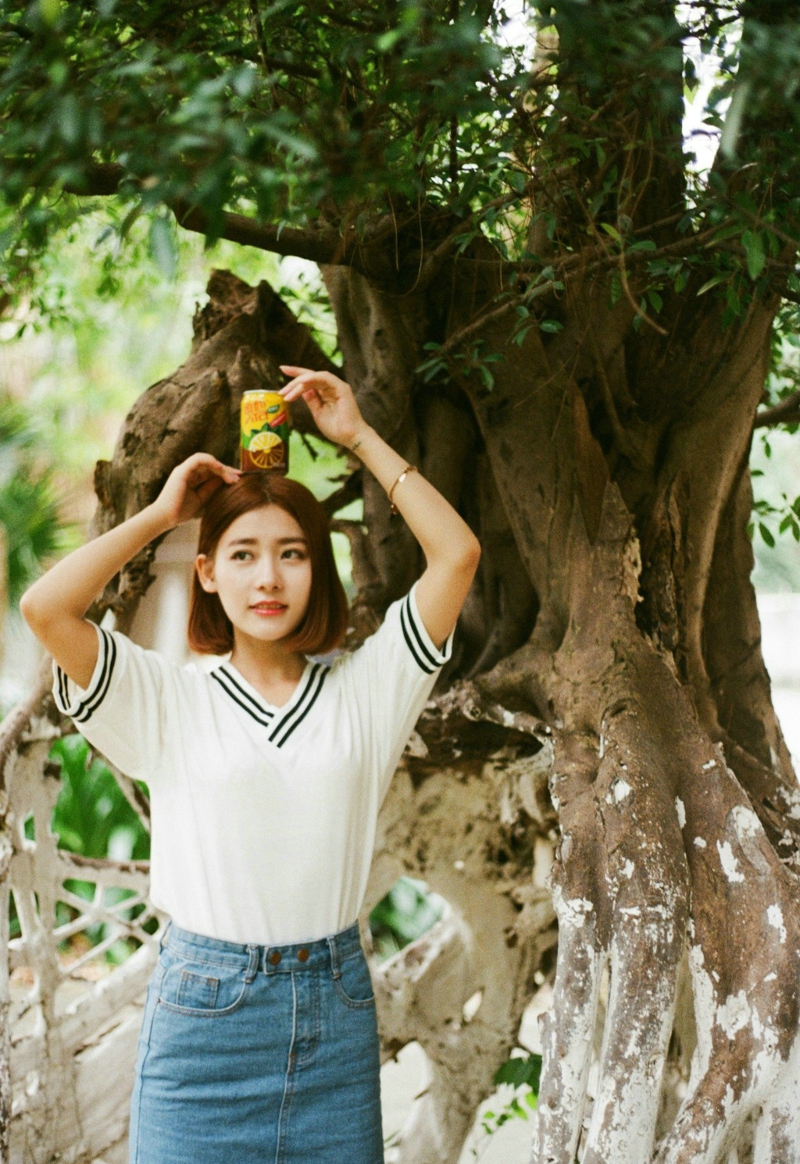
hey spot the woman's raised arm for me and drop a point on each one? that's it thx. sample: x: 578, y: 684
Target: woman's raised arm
x: 451, y: 549
x: 55, y: 604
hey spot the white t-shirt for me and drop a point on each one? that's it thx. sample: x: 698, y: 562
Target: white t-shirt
x: 262, y: 818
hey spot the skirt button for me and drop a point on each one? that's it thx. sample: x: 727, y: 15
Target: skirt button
x: 275, y: 957
x: 302, y: 954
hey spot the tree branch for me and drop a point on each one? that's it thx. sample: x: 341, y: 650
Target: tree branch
x: 18, y: 719
x: 317, y: 246
x: 322, y: 246
x: 258, y: 29
x: 786, y: 412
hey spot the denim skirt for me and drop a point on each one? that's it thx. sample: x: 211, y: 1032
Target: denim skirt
x: 258, y: 1054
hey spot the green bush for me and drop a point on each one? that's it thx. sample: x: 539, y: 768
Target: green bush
x: 28, y: 506
x: 405, y: 913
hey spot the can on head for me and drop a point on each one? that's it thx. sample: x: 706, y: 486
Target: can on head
x: 265, y: 432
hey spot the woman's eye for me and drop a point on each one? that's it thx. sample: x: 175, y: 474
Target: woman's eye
x: 301, y: 555
x: 239, y: 555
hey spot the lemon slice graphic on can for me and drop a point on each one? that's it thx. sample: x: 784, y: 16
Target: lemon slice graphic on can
x: 265, y: 450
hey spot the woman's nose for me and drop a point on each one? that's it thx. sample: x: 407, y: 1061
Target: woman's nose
x: 269, y: 574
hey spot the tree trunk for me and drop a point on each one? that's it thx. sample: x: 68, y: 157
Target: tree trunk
x: 674, y: 790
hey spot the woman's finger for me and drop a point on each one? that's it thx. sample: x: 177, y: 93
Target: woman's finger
x: 303, y: 377
x: 198, y: 459
x: 318, y: 382
x: 303, y: 389
x: 209, y: 469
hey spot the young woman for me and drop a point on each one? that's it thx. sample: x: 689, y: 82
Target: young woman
x: 259, y: 1041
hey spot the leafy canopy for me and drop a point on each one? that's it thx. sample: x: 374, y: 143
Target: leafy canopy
x: 290, y: 112
x: 308, y: 114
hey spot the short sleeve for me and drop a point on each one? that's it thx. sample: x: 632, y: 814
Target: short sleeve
x: 121, y: 711
x: 393, y: 673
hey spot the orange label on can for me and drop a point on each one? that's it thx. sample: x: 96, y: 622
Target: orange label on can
x: 265, y: 431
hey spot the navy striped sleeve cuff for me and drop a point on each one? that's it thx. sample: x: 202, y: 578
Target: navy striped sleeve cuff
x: 86, y: 702
x: 418, y: 641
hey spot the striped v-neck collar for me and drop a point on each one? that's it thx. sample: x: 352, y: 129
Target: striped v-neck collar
x: 280, y: 721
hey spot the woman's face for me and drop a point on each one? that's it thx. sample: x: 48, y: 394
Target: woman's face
x: 262, y: 573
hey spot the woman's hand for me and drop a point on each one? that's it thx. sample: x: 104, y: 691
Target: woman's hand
x: 330, y: 400
x: 189, y: 487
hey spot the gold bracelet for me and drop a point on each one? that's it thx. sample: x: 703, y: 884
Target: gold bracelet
x: 408, y: 469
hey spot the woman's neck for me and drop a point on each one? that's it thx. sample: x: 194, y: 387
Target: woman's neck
x: 266, y: 665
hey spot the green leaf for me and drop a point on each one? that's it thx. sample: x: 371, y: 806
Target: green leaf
x: 50, y: 10
x: 163, y: 249
x: 244, y: 80
x: 713, y: 282
x: 386, y: 42
x: 551, y: 325
x: 612, y: 230
x: 681, y: 279
x: 303, y: 149
x: 731, y: 231
x: 129, y: 220
x: 766, y: 534
x: 754, y: 253
x: 521, y: 1071
x: 733, y: 121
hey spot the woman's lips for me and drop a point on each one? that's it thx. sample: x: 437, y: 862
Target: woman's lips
x: 267, y: 610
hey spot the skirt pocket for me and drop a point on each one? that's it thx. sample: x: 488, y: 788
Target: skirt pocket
x: 354, y: 983
x: 192, y: 986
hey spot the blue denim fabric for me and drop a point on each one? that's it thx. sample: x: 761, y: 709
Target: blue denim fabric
x: 244, y: 1059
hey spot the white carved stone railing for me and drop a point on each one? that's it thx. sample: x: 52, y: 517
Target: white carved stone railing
x: 74, y: 1026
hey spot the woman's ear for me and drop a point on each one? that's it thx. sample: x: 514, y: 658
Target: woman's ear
x: 205, y: 572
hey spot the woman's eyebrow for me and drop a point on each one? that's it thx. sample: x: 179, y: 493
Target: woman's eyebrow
x: 254, y: 541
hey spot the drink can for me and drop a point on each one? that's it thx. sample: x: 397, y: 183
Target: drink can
x: 265, y: 432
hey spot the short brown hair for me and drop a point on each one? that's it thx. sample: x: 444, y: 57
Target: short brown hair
x: 323, y: 626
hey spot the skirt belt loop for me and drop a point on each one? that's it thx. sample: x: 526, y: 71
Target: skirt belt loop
x: 253, y: 964
x: 162, y: 941
x: 334, y: 949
